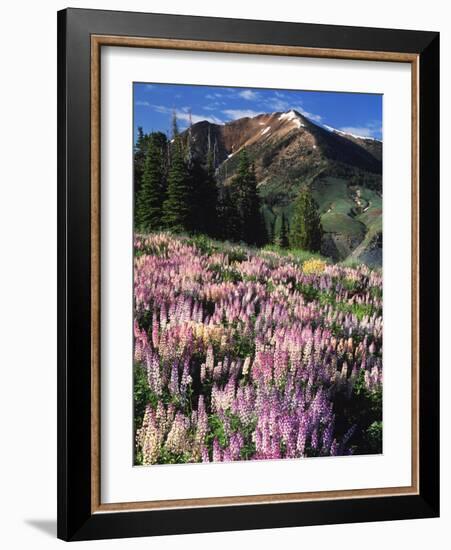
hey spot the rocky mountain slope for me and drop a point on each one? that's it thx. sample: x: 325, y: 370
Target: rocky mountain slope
x: 344, y: 172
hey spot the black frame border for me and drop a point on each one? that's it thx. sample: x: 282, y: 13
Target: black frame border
x: 75, y: 520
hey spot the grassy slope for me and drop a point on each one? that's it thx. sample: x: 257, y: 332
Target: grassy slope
x: 340, y: 215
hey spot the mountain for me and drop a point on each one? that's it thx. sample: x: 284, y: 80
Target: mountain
x: 372, y: 145
x: 343, y: 170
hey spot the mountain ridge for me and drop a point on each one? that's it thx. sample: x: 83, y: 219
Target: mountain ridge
x: 344, y: 172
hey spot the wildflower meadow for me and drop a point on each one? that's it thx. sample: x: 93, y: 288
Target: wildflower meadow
x: 243, y: 353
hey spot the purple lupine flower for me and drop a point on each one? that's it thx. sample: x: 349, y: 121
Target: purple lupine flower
x: 174, y: 382
x: 279, y: 393
x: 217, y: 452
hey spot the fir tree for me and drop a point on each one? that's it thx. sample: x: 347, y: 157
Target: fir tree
x: 196, y: 195
x: 150, y: 197
x: 210, y: 200
x: 252, y: 229
x: 177, y: 207
x: 140, y: 151
x: 282, y: 233
x: 229, y: 221
x: 203, y: 191
x: 160, y: 141
x: 306, y: 231
x: 174, y: 125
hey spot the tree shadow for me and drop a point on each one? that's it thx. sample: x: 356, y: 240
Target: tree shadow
x: 47, y: 526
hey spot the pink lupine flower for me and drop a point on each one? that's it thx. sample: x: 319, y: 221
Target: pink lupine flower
x: 267, y: 361
x: 217, y: 452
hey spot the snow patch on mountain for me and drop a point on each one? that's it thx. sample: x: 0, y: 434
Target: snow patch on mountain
x: 265, y: 130
x: 336, y: 131
x: 291, y: 116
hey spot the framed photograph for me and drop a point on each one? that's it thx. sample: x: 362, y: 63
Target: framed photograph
x: 248, y: 274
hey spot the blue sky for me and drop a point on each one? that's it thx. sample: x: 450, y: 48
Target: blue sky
x: 359, y: 114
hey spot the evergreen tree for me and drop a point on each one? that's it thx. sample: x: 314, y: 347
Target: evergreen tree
x: 150, y: 197
x: 282, y: 233
x: 229, y: 221
x: 270, y: 227
x: 140, y: 151
x: 177, y: 207
x: 174, y: 125
x: 252, y: 229
x: 160, y: 141
x: 196, y: 188
x: 306, y: 231
x: 210, y: 200
x: 203, y: 191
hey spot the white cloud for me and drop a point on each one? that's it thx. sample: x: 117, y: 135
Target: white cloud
x: 198, y: 118
x: 248, y: 94
x: 281, y: 101
x: 274, y: 104
x: 183, y: 114
x: 161, y: 109
x: 142, y: 103
x: 277, y: 104
x: 311, y: 116
x: 150, y: 86
x: 214, y: 106
x: 240, y: 113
